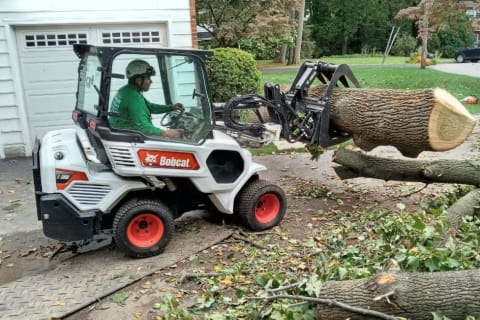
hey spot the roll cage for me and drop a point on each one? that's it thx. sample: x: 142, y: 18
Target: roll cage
x: 95, y: 119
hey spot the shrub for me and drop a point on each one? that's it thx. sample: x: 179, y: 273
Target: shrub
x: 404, y: 45
x: 231, y: 72
x: 416, y: 57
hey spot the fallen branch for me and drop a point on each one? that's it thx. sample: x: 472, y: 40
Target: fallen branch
x: 329, y: 302
x: 358, y: 164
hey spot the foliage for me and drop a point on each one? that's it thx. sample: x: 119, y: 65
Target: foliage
x: 431, y: 16
x: 231, y: 72
x: 350, y: 26
x: 233, y: 21
x: 338, y: 245
x: 416, y: 57
x: 404, y: 45
x: 265, y: 49
x: 452, y: 38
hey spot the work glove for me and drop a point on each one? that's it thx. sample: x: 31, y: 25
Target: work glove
x: 178, y: 106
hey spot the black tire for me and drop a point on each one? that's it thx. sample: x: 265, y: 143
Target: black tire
x: 460, y: 58
x: 143, y: 228
x: 261, y: 205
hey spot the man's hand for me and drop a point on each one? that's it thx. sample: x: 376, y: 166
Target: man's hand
x: 174, y: 133
x: 178, y: 106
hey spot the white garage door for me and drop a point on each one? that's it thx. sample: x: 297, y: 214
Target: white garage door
x: 49, y: 65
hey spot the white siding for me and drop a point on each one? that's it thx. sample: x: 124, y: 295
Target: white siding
x: 15, y: 131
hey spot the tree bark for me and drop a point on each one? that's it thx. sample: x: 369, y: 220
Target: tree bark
x: 455, y: 294
x: 410, y: 120
x: 357, y: 164
x: 298, y: 45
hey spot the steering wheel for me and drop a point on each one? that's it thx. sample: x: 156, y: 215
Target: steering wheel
x: 174, y: 116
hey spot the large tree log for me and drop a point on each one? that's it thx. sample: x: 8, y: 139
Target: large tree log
x: 358, y: 164
x: 410, y: 120
x: 455, y: 294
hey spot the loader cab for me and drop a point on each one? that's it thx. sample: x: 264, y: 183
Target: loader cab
x: 179, y: 78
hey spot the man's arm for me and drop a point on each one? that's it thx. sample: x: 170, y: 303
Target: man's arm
x: 158, y: 108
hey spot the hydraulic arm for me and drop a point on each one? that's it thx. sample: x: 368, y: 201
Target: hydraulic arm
x: 303, y: 117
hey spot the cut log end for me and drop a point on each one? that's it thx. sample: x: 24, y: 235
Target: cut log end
x: 450, y: 124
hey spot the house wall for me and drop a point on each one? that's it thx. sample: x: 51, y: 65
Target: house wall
x: 15, y: 136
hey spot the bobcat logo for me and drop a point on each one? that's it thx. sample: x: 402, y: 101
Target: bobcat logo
x: 151, y: 159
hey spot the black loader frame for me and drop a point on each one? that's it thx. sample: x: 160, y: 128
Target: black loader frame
x: 302, y: 117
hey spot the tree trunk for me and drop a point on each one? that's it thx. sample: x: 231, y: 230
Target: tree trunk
x: 282, y: 55
x: 455, y: 294
x: 357, y: 164
x: 410, y: 120
x: 298, y: 45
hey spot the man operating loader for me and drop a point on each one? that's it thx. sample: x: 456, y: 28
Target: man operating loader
x: 131, y: 110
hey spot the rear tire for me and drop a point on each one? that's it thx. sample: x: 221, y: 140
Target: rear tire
x: 261, y: 205
x: 143, y: 228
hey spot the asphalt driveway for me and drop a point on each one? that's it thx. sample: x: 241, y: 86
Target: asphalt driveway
x: 468, y: 69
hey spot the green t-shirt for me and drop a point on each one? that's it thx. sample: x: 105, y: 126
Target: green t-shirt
x: 133, y: 111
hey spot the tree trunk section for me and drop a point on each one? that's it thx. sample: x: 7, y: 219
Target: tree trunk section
x: 357, y: 164
x: 410, y: 120
x: 455, y: 294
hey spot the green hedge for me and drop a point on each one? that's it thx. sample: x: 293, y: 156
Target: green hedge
x: 231, y: 72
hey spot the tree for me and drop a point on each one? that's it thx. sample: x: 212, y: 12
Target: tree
x: 431, y: 16
x: 349, y: 26
x: 234, y: 21
x: 298, y: 44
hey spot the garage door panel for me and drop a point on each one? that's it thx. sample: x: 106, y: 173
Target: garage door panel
x: 46, y: 72
x: 49, y: 66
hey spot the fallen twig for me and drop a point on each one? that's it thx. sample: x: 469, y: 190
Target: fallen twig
x: 187, y: 276
x: 329, y: 302
x: 415, y: 191
x: 290, y: 286
x: 245, y: 239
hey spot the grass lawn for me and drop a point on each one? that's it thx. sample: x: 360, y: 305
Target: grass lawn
x: 354, y: 59
x: 399, y: 77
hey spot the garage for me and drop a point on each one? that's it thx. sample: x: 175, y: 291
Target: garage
x: 48, y: 66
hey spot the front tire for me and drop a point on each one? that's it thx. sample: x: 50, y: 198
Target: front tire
x: 143, y: 228
x: 261, y: 205
x: 460, y: 58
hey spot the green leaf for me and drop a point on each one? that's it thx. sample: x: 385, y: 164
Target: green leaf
x: 120, y: 297
x: 453, y: 263
x: 342, y: 273
x: 313, y: 286
x: 429, y: 232
x: 450, y: 245
x: 400, y: 206
x: 432, y: 265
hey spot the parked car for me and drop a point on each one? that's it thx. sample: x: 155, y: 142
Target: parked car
x: 467, y: 54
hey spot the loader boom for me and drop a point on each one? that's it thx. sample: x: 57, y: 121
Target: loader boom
x: 303, y: 117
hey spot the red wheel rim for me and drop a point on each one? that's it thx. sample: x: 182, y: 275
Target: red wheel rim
x: 267, y: 208
x: 145, y: 230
